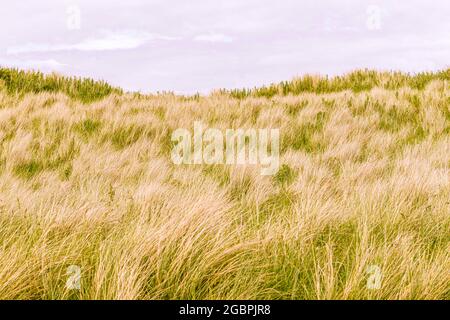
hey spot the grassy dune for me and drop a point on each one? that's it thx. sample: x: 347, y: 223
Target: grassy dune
x: 86, y: 180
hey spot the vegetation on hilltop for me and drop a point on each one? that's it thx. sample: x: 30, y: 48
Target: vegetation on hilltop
x: 357, y: 81
x: 83, y: 89
x: 88, y: 90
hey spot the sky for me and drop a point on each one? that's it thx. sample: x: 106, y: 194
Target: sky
x: 200, y: 45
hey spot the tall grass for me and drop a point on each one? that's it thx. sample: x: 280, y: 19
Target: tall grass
x: 357, y: 81
x: 363, y: 185
x: 83, y: 89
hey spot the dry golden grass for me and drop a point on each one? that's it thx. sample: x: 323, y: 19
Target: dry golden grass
x: 364, y: 181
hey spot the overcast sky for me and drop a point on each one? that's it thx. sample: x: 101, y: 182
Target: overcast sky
x: 198, y: 45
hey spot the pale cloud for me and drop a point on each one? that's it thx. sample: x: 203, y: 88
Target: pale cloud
x: 214, y: 38
x: 46, y: 64
x: 122, y: 40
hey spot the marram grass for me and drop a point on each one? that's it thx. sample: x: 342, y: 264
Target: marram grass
x: 84, y: 90
x: 86, y: 180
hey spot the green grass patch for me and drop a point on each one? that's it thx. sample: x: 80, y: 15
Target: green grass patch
x: 302, y: 137
x: 294, y: 109
x: 87, y: 128
x: 125, y: 136
x: 83, y: 89
x: 285, y: 175
x: 281, y: 201
x: 28, y: 169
